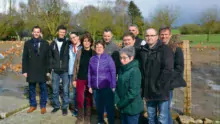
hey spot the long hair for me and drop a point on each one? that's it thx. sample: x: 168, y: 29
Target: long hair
x: 172, y: 44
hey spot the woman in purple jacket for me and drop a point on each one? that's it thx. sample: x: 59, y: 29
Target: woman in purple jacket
x: 102, y: 79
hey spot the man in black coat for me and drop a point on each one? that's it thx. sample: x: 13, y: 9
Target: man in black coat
x: 156, y: 61
x: 35, y: 68
x: 177, y: 76
x: 138, y: 41
x: 59, y: 63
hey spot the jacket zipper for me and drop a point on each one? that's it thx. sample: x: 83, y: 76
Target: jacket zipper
x: 97, y: 72
x: 60, y: 63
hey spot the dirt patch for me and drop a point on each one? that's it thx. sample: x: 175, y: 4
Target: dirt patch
x: 205, y: 84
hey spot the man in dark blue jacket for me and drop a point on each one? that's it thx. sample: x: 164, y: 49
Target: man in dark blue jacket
x: 35, y: 68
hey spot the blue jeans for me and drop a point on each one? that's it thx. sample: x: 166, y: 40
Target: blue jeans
x: 163, y: 107
x: 127, y: 119
x: 43, y: 94
x: 72, y: 95
x: 65, y: 84
x: 169, y: 107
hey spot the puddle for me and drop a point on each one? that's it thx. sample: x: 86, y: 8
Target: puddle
x: 217, y: 95
x: 213, y: 85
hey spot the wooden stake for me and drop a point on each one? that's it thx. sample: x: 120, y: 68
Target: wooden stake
x: 187, y: 77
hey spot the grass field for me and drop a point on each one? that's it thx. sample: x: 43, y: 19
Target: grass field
x: 197, y: 39
x: 201, y: 39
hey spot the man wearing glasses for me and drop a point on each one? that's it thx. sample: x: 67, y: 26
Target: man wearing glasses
x: 74, y: 46
x: 156, y: 61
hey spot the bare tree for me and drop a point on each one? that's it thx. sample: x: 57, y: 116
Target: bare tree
x: 49, y: 14
x: 164, y: 16
x: 209, y: 18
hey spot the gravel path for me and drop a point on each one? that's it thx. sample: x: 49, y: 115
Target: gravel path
x: 36, y: 117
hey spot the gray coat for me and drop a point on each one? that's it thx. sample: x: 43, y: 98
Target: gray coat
x: 113, y: 50
x: 111, y: 47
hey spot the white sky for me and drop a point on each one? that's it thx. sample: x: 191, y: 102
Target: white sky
x: 189, y: 9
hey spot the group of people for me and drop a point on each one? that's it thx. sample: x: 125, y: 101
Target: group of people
x: 102, y: 73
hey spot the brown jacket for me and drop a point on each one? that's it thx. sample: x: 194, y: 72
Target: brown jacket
x: 77, y: 63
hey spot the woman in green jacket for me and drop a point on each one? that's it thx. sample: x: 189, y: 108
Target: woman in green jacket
x: 127, y: 94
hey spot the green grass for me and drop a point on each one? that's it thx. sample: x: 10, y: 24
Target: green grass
x: 175, y: 31
x: 195, y: 39
x: 201, y: 39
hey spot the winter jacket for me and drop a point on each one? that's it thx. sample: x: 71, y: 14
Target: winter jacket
x: 177, y: 75
x: 35, y: 65
x: 101, y: 72
x: 111, y: 47
x: 59, y: 61
x: 138, y: 42
x: 156, y: 67
x: 127, y: 94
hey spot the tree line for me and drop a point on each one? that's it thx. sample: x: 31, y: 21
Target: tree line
x: 117, y: 15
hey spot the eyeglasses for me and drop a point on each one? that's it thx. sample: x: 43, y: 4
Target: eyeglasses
x: 123, y: 58
x: 150, y: 35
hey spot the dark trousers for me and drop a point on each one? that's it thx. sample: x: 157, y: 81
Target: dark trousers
x: 105, y: 99
x: 43, y: 94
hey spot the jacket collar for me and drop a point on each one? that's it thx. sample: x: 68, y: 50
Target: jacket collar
x: 110, y: 42
x: 133, y: 63
x: 102, y: 55
x: 155, y: 47
x: 71, y: 45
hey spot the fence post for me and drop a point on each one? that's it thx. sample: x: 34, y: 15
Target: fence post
x: 187, y: 77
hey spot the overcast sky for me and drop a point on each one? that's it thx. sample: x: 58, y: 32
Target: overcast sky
x: 188, y: 9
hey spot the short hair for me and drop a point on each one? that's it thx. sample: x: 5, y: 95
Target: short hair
x: 151, y: 29
x: 133, y: 25
x: 128, y: 50
x: 165, y: 28
x: 107, y: 30
x: 74, y: 32
x: 88, y: 36
x: 99, y: 42
x: 61, y: 27
x: 129, y: 34
x: 36, y: 27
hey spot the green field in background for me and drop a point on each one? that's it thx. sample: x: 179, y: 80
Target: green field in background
x: 196, y: 39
